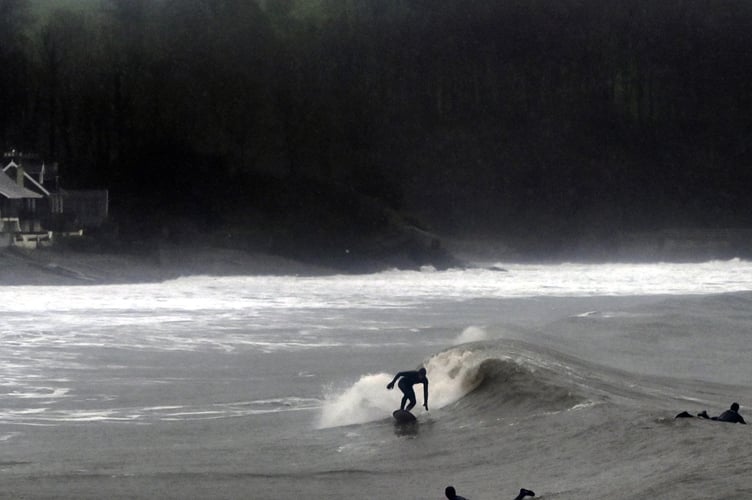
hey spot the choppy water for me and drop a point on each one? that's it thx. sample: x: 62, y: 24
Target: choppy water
x: 560, y: 378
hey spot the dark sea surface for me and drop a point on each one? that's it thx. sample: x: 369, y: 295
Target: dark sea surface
x: 564, y: 379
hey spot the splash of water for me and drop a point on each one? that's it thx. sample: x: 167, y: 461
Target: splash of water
x: 365, y: 401
x: 471, y: 334
x: 451, y: 375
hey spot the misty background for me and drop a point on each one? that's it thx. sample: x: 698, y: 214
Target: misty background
x: 321, y: 129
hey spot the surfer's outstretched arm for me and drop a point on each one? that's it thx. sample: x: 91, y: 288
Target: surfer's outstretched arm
x: 425, y: 394
x: 390, y: 385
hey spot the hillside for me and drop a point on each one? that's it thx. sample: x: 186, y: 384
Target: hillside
x: 543, y: 124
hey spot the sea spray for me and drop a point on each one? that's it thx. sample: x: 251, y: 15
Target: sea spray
x: 471, y: 334
x: 451, y: 374
x: 365, y: 401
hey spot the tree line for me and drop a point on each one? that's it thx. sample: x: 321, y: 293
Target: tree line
x: 512, y: 116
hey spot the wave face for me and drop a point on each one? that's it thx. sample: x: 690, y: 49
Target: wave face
x: 506, y: 388
x: 482, y: 379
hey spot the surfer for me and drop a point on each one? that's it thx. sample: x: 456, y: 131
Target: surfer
x: 407, y: 380
x: 731, y: 415
x: 451, y: 494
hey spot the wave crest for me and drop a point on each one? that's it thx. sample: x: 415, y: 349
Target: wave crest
x: 505, y: 387
x: 480, y: 378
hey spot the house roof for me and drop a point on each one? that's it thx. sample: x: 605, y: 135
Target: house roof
x: 27, y: 176
x: 11, y: 190
x: 32, y: 163
x: 32, y: 166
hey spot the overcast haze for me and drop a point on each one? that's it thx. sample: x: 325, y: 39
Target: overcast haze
x: 543, y: 124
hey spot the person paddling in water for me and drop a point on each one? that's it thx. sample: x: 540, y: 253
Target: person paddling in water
x: 407, y: 381
x: 451, y: 494
x: 731, y: 415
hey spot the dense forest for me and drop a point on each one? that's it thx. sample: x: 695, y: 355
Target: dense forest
x: 321, y: 121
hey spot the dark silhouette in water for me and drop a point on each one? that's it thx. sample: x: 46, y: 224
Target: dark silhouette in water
x: 407, y: 380
x: 451, y: 494
x: 731, y: 415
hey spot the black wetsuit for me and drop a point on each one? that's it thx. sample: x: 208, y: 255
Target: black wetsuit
x: 727, y: 416
x: 730, y: 416
x: 523, y: 493
x: 407, y: 380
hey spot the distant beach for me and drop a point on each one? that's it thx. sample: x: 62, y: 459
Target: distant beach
x: 47, y: 267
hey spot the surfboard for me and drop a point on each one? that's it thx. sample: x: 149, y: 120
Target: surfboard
x: 403, y: 416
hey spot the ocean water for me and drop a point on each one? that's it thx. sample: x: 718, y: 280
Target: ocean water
x: 563, y: 379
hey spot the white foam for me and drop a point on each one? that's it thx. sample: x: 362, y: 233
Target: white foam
x: 471, y: 334
x: 587, y: 314
x: 179, y: 300
x: 365, y: 401
x: 451, y: 375
x: 40, y: 393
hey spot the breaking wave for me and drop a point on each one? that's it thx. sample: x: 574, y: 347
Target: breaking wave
x: 482, y: 377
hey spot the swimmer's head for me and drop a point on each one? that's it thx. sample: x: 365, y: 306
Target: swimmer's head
x: 735, y: 406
